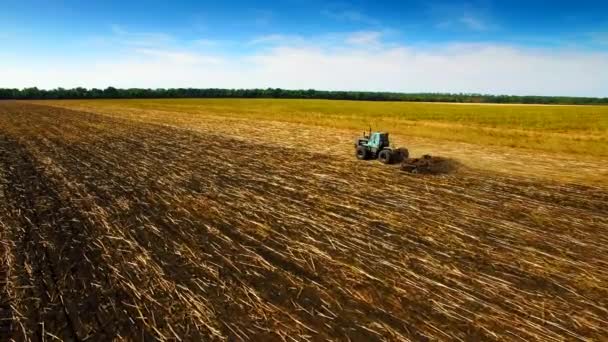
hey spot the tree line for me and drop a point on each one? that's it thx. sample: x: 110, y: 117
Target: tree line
x: 139, y: 93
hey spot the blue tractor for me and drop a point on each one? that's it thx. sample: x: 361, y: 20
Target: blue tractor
x: 376, y: 145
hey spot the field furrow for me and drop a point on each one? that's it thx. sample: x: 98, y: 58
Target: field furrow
x: 118, y: 228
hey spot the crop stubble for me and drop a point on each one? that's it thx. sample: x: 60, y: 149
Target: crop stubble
x: 113, y: 228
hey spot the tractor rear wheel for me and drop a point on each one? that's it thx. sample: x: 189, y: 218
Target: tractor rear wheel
x: 385, y: 156
x: 362, y: 153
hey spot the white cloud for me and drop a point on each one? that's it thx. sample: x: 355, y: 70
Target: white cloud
x: 369, y: 39
x: 364, y: 38
x: 339, y: 65
x: 481, y: 68
x: 275, y: 39
x: 179, y: 57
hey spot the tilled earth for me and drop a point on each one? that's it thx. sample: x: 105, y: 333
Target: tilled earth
x: 112, y: 228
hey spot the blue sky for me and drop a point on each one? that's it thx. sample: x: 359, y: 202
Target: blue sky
x: 514, y: 47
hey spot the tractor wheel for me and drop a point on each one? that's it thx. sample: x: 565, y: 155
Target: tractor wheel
x: 385, y: 157
x: 362, y: 153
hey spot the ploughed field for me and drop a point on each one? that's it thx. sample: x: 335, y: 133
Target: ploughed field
x: 120, y: 228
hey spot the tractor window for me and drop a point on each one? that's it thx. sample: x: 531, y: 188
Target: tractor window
x: 383, y: 139
x: 374, y: 140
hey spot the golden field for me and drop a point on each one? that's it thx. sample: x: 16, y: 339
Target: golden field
x: 568, y: 129
x: 563, y: 143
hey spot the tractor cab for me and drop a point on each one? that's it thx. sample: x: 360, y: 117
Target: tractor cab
x: 375, y: 141
x: 378, y: 141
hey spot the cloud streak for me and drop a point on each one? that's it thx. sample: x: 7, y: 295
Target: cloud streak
x: 122, y: 36
x: 365, y: 38
x: 179, y: 57
x: 467, y: 21
x: 350, y: 15
x: 461, y: 17
x: 273, y: 39
x: 473, y: 23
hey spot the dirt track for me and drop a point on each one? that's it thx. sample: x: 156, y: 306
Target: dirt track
x: 116, y: 228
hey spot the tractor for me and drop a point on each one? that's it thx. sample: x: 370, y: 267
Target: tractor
x: 376, y: 145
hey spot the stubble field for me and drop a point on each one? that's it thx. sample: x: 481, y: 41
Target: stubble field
x: 119, y: 221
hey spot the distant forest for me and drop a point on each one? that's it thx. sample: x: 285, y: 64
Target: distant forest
x: 276, y: 93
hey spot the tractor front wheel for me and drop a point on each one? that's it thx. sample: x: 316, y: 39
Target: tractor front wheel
x: 385, y: 156
x: 362, y: 153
